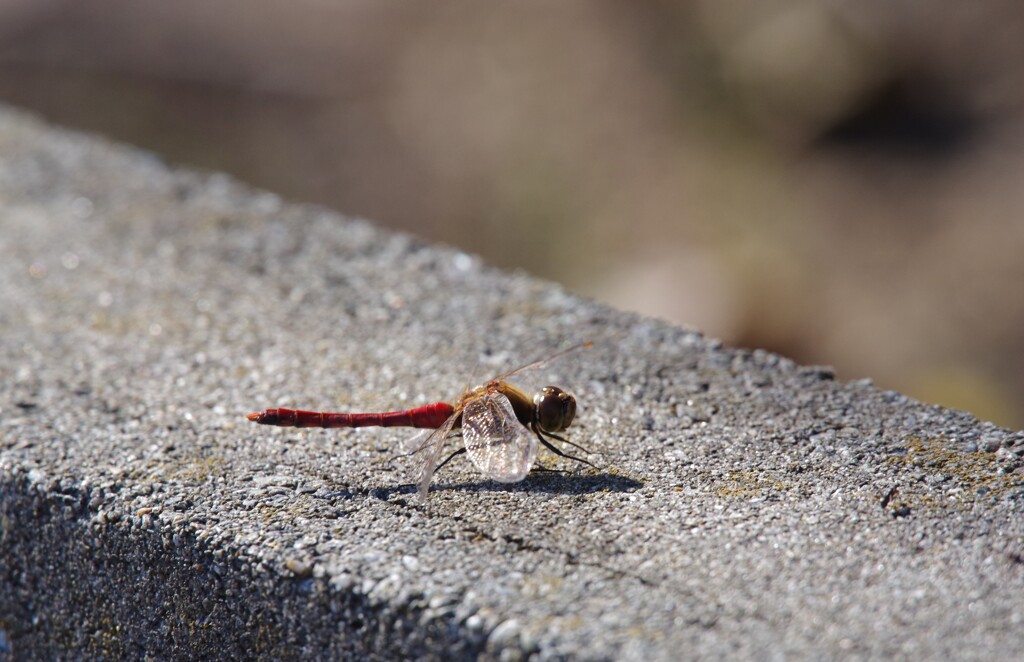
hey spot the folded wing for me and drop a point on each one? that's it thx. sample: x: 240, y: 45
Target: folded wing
x: 497, y: 443
x: 426, y: 447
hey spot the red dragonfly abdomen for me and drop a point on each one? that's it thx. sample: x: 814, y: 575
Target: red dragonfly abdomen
x: 428, y: 416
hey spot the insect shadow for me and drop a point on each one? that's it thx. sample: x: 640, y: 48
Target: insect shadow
x: 552, y: 482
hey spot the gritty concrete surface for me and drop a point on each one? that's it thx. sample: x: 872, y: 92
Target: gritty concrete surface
x: 742, y: 507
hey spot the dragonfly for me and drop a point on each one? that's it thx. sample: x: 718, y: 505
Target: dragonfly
x: 499, y: 423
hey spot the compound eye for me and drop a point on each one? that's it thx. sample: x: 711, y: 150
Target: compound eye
x: 555, y: 409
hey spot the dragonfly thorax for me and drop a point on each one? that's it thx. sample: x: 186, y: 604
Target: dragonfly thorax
x: 551, y: 409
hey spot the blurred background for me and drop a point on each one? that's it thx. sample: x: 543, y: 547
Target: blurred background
x: 839, y: 182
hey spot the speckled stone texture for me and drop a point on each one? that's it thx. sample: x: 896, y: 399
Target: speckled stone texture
x: 742, y: 506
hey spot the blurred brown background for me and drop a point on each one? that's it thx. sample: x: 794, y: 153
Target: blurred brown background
x: 839, y: 182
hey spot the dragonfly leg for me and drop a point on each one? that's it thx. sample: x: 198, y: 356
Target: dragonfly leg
x: 557, y: 451
x: 449, y: 458
x: 572, y: 443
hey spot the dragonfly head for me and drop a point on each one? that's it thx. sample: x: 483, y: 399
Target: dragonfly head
x: 555, y: 409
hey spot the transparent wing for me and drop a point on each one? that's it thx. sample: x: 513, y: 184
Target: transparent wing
x: 425, y: 448
x: 496, y: 441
